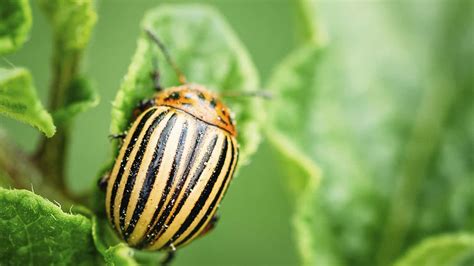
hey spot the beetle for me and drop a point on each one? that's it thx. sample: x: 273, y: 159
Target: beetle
x: 174, y: 166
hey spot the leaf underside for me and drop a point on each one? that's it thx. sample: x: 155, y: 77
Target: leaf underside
x: 18, y: 100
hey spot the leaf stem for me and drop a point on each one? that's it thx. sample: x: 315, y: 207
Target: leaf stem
x: 308, y: 23
x: 25, y: 175
x: 51, y: 156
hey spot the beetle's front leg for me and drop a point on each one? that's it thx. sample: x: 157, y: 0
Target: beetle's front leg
x: 169, y: 256
x: 119, y: 136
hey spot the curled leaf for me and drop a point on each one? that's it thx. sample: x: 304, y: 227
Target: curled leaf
x: 72, y: 21
x: 15, y: 24
x: 18, y: 100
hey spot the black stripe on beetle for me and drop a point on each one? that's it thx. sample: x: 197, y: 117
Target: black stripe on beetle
x: 124, y: 160
x: 134, y: 169
x: 204, y: 196
x: 172, y: 174
x: 154, y: 231
x: 192, y: 183
x: 151, y: 174
x: 213, y: 205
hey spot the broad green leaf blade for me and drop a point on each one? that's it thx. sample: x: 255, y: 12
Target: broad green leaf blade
x: 447, y: 250
x: 390, y: 125
x: 208, y: 52
x: 15, y: 24
x: 18, y: 100
x: 72, y: 22
x: 35, y: 231
x: 81, y: 98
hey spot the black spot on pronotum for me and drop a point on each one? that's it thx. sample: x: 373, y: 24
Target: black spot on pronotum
x: 213, y: 103
x: 201, y: 96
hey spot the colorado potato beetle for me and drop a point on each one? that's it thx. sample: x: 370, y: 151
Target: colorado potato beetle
x: 173, y: 168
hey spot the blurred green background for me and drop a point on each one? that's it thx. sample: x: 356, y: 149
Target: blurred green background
x: 255, y: 216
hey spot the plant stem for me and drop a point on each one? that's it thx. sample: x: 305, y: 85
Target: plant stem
x: 308, y: 23
x: 51, y: 156
x: 25, y: 175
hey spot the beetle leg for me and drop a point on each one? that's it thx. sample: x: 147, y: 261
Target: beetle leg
x: 120, y: 136
x: 211, y: 225
x: 169, y: 256
x: 102, y: 183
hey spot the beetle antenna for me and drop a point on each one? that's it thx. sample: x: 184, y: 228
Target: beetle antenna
x: 155, y: 39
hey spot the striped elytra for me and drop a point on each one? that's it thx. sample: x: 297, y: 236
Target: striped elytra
x: 172, y: 170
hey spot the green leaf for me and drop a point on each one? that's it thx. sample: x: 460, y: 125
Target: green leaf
x: 72, y: 22
x: 116, y: 253
x: 36, y: 231
x: 108, y: 244
x: 120, y: 255
x: 389, y: 122
x: 18, y: 100
x: 208, y: 52
x: 15, y: 24
x: 443, y: 250
x: 81, y: 98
